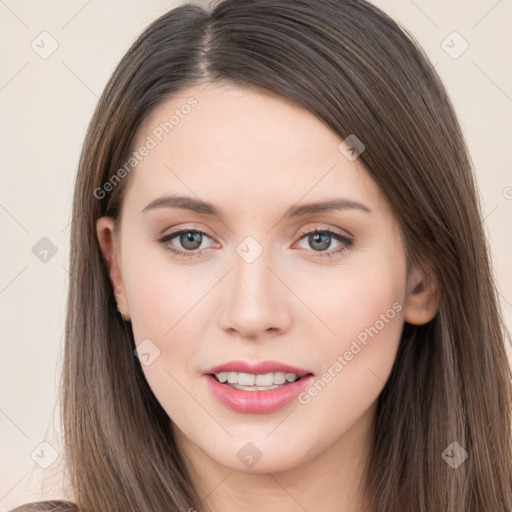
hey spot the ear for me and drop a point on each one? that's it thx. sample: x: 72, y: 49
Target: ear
x: 423, y: 297
x: 109, y: 243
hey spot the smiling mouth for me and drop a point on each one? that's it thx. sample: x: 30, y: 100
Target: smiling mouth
x: 251, y: 382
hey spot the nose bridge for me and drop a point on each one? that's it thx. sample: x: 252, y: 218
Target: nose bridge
x: 251, y: 276
x: 255, y: 296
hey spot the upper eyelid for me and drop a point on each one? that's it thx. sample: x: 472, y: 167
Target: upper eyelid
x: 336, y: 231
x: 300, y: 235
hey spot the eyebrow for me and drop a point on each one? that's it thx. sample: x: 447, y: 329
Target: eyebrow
x: 206, y: 208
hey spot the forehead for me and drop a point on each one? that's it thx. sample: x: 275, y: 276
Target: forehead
x: 220, y: 141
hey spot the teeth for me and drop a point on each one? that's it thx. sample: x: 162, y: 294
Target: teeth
x: 248, y: 379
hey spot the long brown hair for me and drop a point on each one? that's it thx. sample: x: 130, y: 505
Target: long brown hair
x: 359, y: 72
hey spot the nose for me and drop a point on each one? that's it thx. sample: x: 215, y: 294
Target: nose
x: 258, y: 300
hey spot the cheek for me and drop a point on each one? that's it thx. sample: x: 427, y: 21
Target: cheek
x: 358, y: 300
x: 363, y: 308
x: 166, y: 304
x: 160, y: 292
x: 352, y: 296
x: 161, y: 307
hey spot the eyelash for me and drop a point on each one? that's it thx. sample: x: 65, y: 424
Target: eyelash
x: 346, y: 241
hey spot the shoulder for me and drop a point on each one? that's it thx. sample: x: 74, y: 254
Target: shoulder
x: 53, y: 506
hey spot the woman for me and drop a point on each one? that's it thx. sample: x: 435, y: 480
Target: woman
x: 281, y: 295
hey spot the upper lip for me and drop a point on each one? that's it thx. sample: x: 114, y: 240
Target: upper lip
x: 256, y: 368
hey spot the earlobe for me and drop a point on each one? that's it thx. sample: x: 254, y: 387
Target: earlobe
x: 423, y: 298
x: 105, y: 230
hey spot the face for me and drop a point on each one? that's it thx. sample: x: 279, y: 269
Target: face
x: 248, y: 279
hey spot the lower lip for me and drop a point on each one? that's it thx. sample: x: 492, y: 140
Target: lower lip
x: 257, y: 401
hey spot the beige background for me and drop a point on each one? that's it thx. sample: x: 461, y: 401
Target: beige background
x: 45, y: 107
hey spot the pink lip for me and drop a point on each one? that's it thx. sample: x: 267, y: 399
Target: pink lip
x: 257, y: 401
x: 258, y: 368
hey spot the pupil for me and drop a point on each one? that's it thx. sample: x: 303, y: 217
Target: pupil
x: 315, y: 238
x: 191, y: 240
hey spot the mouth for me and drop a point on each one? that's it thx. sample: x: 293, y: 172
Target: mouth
x: 261, y: 376
x: 257, y: 382
x: 257, y: 393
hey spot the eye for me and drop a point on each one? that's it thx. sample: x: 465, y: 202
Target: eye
x: 191, y: 241
x: 321, y: 239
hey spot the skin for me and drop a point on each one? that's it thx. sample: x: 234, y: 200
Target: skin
x: 253, y: 155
